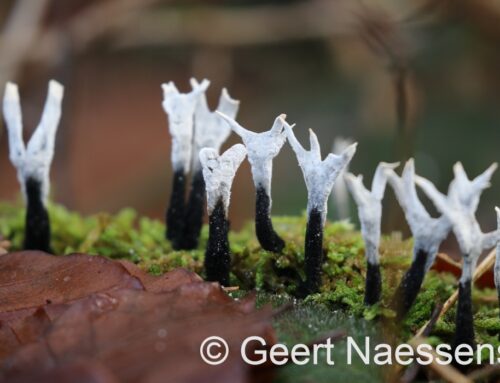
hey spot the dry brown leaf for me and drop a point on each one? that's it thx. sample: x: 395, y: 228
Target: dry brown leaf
x: 112, y: 322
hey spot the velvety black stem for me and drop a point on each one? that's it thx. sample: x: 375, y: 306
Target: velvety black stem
x: 464, y: 322
x: 217, y: 254
x: 37, y: 228
x: 408, y: 289
x: 373, y: 285
x: 194, y: 212
x: 268, y: 238
x: 314, y: 251
x: 175, y: 212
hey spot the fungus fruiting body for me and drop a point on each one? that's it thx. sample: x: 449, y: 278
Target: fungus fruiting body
x: 460, y: 206
x: 33, y: 161
x: 428, y: 233
x: 319, y: 176
x: 218, y: 173
x: 262, y: 148
x: 180, y: 108
x: 340, y: 196
x: 370, y: 216
x: 209, y: 132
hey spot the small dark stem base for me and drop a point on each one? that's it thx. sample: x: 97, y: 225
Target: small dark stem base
x: 408, y: 289
x: 373, y: 286
x: 464, y: 333
x: 194, y: 212
x: 175, y: 212
x: 37, y: 228
x: 217, y: 255
x: 268, y: 238
x: 313, y: 251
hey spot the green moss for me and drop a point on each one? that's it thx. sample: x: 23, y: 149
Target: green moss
x: 141, y: 240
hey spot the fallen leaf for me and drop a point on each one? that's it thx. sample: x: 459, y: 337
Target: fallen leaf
x: 115, y: 323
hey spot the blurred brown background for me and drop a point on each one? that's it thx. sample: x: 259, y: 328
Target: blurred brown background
x: 403, y: 78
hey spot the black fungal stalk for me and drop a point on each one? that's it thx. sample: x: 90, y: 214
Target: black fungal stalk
x: 217, y: 254
x: 218, y: 173
x: 319, y: 175
x: 262, y: 148
x: 408, y: 289
x: 193, y: 221
x: 464, y: 319
x: 176, y: 210
x: 268, y: 238
x: 37, y: 228
x: 373, y: 285
x: 313, y: 251
x: 33, y: 162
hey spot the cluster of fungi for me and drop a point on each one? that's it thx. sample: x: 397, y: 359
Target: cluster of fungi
x: 197, y: 135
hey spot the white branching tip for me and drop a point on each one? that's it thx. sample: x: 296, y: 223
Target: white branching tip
x: 319, y: 175
x: 467, y: 191
x: 180, y: 108
x: 209, y: 130
x: 35, y: 160
x: 261, y: 147
x: 370, y: 207
x: 428, y: 232
x: 339, y: 197
x: 219, y: 172
x: 459, y: 207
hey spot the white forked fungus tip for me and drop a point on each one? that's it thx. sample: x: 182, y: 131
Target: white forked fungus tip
x: 227, y: 96
x: 11, y: 92
x: 56, y: 90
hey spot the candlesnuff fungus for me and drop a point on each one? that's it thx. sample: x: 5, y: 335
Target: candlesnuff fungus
x: 218, y: 173
x: 319, y: 177
x: 370, y: 216
x: 340, y: 197
x: 262, y: 148
x: 460, y: 207
x: 33, y: 162
x: 209, y: 132
x: 428, y: 233
x: 180, y: 109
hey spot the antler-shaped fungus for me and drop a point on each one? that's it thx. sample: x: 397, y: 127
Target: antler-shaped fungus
x: 218, y: 173
x: 262, y: 148
x: 340, y: 197
x: 319, y: 175
x: 370, y: 216
x: 33, y: 162
x: 209, y: 132
x: 180, y: 108
x: 428, y: 233
x: 459, y: 207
